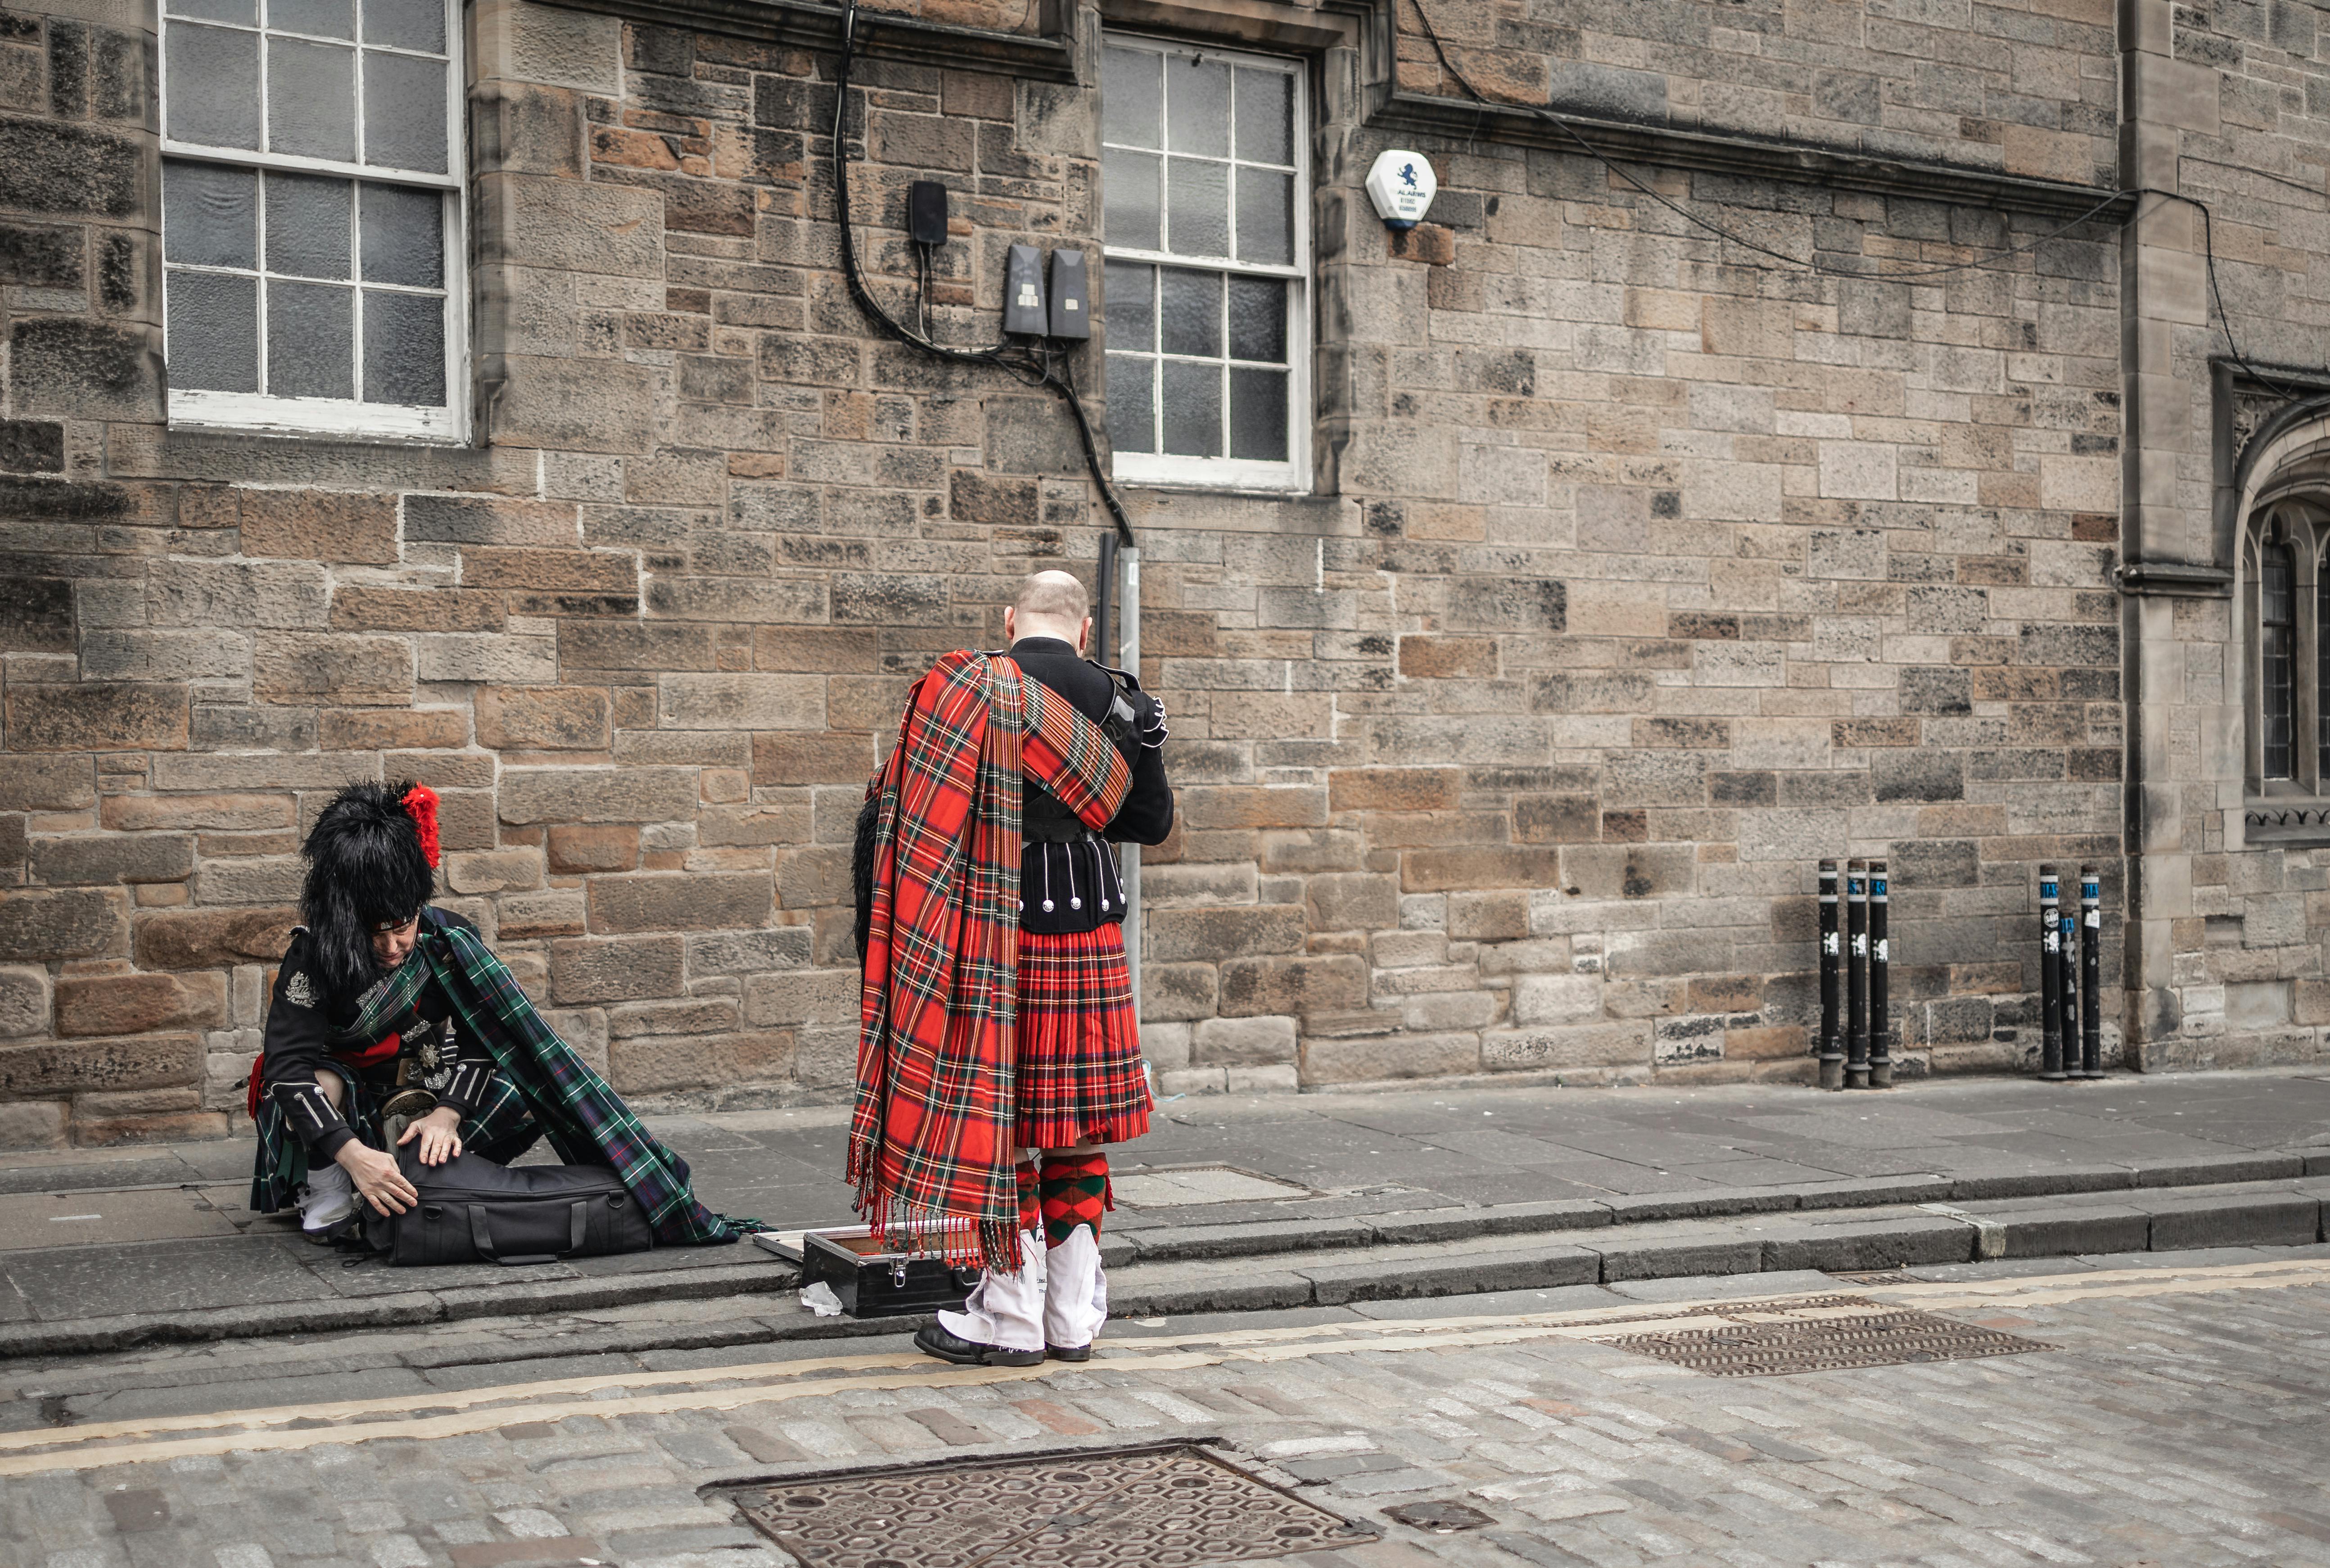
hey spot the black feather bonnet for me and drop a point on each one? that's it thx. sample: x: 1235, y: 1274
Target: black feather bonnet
x: 370, y: 861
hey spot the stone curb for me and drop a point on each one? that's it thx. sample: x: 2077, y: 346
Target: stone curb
x: 1399, y: 1257
x: 1247, y: 1239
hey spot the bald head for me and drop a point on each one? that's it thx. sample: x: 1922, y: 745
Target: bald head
x: 1050, y: 605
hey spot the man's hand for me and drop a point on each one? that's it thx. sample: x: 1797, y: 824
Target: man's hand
x: 376, y: 1177
x: 440, y: 1133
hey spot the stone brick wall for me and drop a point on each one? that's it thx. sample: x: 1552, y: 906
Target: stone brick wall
x: 2024, y: 87
x: 2232, y: 95
x: 1640, y: 571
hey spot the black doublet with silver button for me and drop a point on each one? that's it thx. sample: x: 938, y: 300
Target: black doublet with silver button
x: 1069, y: 881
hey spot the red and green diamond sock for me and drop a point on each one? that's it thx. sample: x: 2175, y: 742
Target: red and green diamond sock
x: 1075, y: 1190
x: 1031, y: 1208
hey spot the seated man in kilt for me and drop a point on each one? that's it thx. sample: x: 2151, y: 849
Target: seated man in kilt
x: 1000, y: 1048
x: 392, y: 1024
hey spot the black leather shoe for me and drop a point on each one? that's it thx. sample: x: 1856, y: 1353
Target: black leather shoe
x: 933, y: 1340
x: 1068, y: 1352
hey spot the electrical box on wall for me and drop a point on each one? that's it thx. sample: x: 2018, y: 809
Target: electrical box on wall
x: 926, y: 212
x: 1071, y: 295
x: 1402, y: 185
x: 1023, y: 293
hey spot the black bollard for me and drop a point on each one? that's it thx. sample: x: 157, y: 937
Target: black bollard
x: 2091, y: 972
x: 1881, y: 1024
x: 1856, y: 975
x: 1830, y: 1048
x: 2066, y: 964
x: 2050, y: 979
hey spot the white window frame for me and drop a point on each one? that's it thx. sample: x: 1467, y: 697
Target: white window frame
x: 1216, y: 473
x: 264, y: 412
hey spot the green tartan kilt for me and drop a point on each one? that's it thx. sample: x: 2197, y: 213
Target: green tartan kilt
x: 501, y: 1130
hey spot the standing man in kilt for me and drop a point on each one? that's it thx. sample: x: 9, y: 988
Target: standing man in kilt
x: 1000, y: 1046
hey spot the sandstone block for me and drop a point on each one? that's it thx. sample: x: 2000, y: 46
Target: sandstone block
x: 1221, y: 932
x: 543, y: 717
x: 1333, y: 983
x: 634, y: 794
x: 695, y: 902
x: 504, y: 871
x: 95, y: 858
x: 545, y: 912
x: 811, y: 758
x: 98, y: 716
x: 1242, y: 1042
x: 76, y: 924
x: 593, y: 970
x: 213, y: 938
x: 748, y: 952
x: 47, y: 783
x: 1557, y: 998
x: 492, y: 520
x: 1622, y: 1044
x: 231, y: 813
x: 828, y: 996
x: 577, y: 848
x: 319, y: 525
x: 280, y: 595
x: 139, y: 1003
x: 33, y: 1125
x: 1394, y: 789
x: 1469, y: 869
x: 653, y: 1063
x: 68, y: 1067
x: 751, y: 701
x: 685, y: 1015
x: 1180, y: 991
x: 23, y: 999
x: 1374, y: 1058
x: 344, y: 670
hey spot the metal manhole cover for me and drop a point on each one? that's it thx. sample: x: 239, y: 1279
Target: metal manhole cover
x: 1167, y: 1507
x: 1775, y: 1348
x: 1880, y: 1277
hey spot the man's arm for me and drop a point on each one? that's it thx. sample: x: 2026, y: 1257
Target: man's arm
x: 292, y: 1049
x: 1146, y: 817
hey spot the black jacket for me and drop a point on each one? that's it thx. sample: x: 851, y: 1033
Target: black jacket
x: 1080, y: 881
x: 301, y: 1019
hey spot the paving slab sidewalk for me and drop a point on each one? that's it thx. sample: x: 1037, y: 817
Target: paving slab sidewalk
x: 102, y: 1248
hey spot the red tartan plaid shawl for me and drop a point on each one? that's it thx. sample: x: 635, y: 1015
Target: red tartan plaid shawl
x: 931, y: 1140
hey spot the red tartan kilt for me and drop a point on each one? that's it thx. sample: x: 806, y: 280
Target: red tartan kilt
x: 1079, y: 1072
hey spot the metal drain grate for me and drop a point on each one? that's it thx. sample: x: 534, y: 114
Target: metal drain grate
x: 1880, y: 1277
x: 1779, y: 1346
x: 1152, y: 1507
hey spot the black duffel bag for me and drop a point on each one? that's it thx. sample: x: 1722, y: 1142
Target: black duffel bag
x: 473, y: 1211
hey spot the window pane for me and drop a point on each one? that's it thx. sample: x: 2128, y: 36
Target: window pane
x: 310, y: 340
x: 1129, y: 185
x: 213, y: 86
x: 1131, y: 403
x: 2322, y: 673
x: 213, y: 332
x: 1265, y: 116
x: 245, y: 12
x: 1196, y: 106
x: 1193, y: 311
x: 324, y: 18
x: 2277, y: 652
x: 404, y: 348
x: 1193, y: 409
x: 311, y: 100
x: 209, y: 215
x: 404, y: 112
x: 403, y: 236
x: 1197, y: 207
x: 1258, y: 414
x: 1258, y: 320
x: 1131, y: 97
x: 1130, y: 309
x: 307, y: 228
x: 1266, y: 217
x: 406, y: 25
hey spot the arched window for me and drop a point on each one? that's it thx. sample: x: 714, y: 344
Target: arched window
x: 2277, y: 656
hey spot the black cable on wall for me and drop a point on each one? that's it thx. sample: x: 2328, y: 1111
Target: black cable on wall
x: 1029, y: 366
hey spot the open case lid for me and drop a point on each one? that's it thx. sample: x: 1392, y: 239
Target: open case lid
x: 855, y: 1242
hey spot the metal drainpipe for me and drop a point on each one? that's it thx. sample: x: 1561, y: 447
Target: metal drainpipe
x: 1129, y: 646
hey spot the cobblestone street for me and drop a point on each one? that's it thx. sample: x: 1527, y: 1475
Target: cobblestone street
x: 2176, y: 1421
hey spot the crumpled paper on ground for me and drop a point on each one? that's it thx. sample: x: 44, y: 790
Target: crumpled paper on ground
x: 820, y: 1299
